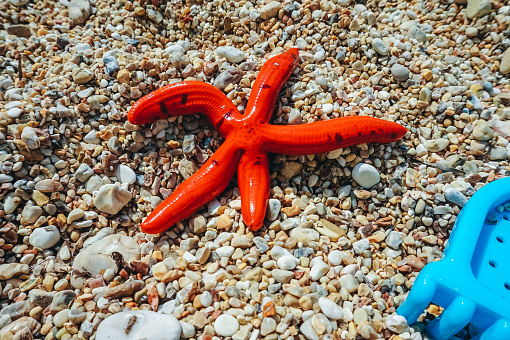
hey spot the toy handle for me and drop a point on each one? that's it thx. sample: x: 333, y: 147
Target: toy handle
x: 472, y: 217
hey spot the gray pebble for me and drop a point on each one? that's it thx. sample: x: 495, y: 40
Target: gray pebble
x: 231, y: 76
x: 400, y: 72
x: 111, y: 65
x: 380, y: 46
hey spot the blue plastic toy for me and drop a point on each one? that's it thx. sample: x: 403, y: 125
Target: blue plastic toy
x: 472, y: 280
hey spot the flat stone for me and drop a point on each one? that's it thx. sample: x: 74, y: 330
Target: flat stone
x: 291, y: 169
x: 48, y: 185
x: 79, y: 11
x: 287, y: 262
x: 232, y: 54
x: 97, y: 256
x: 82, y: 75
x: 125, y: 289
x: 141, y: 324
x: 10, y: 270
x: 331, y: 230
x: 44, y: 237
x: 282, y: 276
x: 478, y: 8
x: 41, y: 297
x: 482, y: 131
x: 83, y: 173
x: 30, y: 214
x: 268, y: 326
x: 17, y: 310
x: 397, y: 324
x: 436, y: 145
x: 186, y: 168
x: 19, y: 30
x: 270, y: 10
x: 111, y: 198
x: 231, y: 76
x: 504, y: 65
x: 61, y: 300
x: 125, y: 174
x: 393, y: 239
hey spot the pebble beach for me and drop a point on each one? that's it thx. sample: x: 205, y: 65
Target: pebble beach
x: 346, y: 232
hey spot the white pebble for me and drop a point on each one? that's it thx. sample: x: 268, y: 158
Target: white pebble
x: 365, y: 175
x: 330, y: 309
x: 226, y: 325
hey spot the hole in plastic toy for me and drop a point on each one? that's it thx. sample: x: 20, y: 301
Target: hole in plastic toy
x: 500, y: 239
x: 506, y: 218
x: 507, y: 286
x: 493, y: 264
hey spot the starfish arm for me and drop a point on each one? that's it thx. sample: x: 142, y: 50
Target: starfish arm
x: 269, y: 82
x: 329, y: 135
x: 207, y: 183
x: 185, y: 98
x: 253, y: 180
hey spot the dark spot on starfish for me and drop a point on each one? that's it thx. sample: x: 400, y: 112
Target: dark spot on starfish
x: 249, y: 130
x: 265, y: 86
x: 360, y: 133
x: 162, y: 107
x: 329, y: 138
x: 372, y: 132
x: 184, y: 99
x: 393, y: 135
x: 228, y: 114
x: 220, y: 123
x: 257, y: 162
x: 215, y: 162
x: 338, y: 138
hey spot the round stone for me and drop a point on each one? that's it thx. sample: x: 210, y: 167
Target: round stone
x: 44, y: 237
x: 335, y: 257
x: 349, y: 282
x: 365, y: 175
x: 206, y: 299
x: 287, y: 262
x: 226, y: 325
x: 400, y: 72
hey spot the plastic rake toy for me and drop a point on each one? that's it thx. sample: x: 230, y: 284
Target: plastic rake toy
x: 248, y: 139
x: 472, y: 280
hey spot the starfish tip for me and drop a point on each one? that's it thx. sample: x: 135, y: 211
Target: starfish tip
x: 400, y: 131
x: 294, y: 51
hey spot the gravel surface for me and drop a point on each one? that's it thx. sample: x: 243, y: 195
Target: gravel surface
x: 346, y: 232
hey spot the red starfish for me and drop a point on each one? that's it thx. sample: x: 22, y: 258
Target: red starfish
x: 248, y: 139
